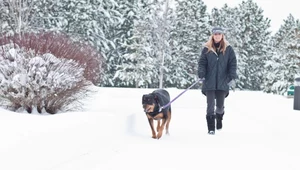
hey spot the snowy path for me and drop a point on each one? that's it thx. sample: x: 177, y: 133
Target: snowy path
x: 260, y: 132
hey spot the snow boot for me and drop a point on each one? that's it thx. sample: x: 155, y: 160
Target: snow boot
x: 211, y: 124
x: 219, y: 120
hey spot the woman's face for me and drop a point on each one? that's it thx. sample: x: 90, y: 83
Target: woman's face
x: 217, y: 37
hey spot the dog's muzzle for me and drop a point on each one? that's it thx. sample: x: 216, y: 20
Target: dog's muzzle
x: 146, y: 110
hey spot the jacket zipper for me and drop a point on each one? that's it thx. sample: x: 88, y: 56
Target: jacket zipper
x: 217, y: 65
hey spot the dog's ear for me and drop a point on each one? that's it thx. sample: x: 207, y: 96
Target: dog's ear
x: 144, y: 99
x: 147, y: 99
x: 156, y: 98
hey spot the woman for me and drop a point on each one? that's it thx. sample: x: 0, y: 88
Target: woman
x: 217, y: 69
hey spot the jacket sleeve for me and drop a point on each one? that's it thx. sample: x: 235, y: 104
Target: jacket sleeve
x: 202, y: 64
x: 232, y: 65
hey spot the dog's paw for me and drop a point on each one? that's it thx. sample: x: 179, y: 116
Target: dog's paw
x: 159, y: 135
x: 154, y: 137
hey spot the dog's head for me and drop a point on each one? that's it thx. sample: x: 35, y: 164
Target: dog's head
x: 149, y: 101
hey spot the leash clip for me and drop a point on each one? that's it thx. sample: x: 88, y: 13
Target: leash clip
x: 160, y: 109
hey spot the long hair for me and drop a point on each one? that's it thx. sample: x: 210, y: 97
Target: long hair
x: 210, y: 44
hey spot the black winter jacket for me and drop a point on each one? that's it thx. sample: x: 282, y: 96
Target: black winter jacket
x: 217, y: 70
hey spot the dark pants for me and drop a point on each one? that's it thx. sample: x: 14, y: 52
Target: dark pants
x: 215, y: 98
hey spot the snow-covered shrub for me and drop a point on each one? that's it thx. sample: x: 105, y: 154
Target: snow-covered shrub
x: 62, y: 46
x: 30, y: 80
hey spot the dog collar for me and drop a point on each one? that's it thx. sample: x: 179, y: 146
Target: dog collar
x: 155, y: 112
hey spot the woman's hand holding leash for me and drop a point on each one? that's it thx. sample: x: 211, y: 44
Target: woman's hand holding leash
x: 201, y: 80
x: 232, y: 84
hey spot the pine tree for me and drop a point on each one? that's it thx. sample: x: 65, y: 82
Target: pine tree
x: 284, y: 64
x: 124, y: 38
x: 144, y: 63
x: 91, y: 21
x: 88, y: 20
x: 253, y: 51
x: 16, y: 16
x: 191, y: 31
x: 124, y: 31
x: 138, y: 64
x: 162, y: 28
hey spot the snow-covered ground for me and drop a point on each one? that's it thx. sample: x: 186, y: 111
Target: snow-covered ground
x: 261, y: 131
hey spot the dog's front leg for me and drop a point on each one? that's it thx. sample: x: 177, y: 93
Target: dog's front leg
x: 168, y: 122
x: 158, y: 125
x: 150, y: 120
x: 161, y: 128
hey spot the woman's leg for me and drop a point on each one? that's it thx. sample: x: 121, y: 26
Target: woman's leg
x: 210, y: 111
x: 210, y: 100
x: 220, y: 99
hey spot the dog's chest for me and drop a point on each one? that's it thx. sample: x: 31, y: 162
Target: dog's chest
x: 155, y: 116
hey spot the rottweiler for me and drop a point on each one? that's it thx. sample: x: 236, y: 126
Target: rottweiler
x: 152, y: 105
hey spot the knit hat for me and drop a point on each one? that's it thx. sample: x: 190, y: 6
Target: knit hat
x: 217, y: 30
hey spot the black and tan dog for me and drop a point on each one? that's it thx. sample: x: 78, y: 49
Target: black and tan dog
x: 152, y: 104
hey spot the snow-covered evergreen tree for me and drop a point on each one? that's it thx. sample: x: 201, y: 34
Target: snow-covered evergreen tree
x: 161, y: 38
x: 138, y: 65
x: 150, y: 47
x: 191, y: 32
x: 15, y: 16
x: 87, y: 20
x: 92, y: 21
x: 285, y: 62
x: 123, y: 38
x: 253, y: 45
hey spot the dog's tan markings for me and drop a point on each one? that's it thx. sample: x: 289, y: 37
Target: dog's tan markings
x: 168, y: 122
x: 160, y: 132
x: 152, y: 127
x: 149, y: 117
x: 158, y: 125
x: 158, y: 116
x: 149, y: 108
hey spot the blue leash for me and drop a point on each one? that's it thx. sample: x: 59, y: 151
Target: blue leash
x: 199, y: 80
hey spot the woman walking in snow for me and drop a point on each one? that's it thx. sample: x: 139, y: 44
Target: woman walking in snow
x: 217, y: 68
